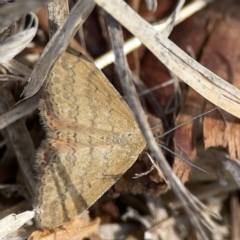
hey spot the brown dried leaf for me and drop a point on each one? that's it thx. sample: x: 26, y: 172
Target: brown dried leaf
x: 78, y: 228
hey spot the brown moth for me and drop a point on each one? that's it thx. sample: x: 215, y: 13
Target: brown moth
x: 92, y: 138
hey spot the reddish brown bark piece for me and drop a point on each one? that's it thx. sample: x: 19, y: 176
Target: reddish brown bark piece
x: 219, y: 25
x: 185, y: 136
x: 222, y: 56
x: 192, y: 33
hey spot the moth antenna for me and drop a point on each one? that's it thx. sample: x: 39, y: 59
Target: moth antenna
x: 182, y: 158
x: 186, y: 122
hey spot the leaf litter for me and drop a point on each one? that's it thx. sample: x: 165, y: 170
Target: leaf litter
x: 174, y: 224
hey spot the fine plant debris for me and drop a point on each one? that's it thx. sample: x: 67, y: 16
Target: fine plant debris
x: 119, y: 119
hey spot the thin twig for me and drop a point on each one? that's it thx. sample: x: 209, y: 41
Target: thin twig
x: 133, y: 43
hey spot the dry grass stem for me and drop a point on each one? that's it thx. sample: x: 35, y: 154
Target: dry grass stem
x: 134, y: 42
x: 209, y: 85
